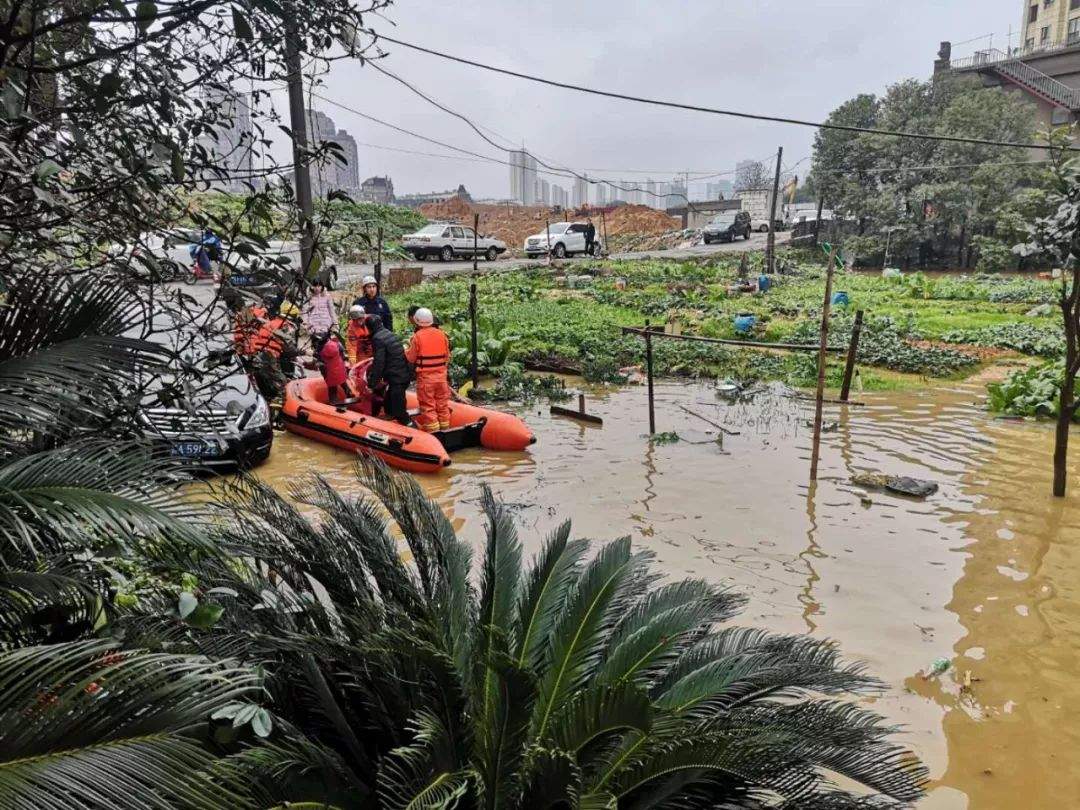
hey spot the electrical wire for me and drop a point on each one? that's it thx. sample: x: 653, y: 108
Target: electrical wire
x: 478, y: 131
x: 713, y: 110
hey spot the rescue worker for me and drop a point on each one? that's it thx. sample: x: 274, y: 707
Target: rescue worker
x: 331, y: 357
x: 411, y: 315
x: 357, y: 339
x: 374, y: 304
x: 389, y: 370
x: 429, y: 352
x: 262, y: 344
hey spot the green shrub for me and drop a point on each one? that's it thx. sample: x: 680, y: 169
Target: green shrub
x: 994, y: 256
x: 1029, y: 392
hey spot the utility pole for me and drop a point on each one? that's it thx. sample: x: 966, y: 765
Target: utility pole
x: 770, y: 250
x: 298, y: 124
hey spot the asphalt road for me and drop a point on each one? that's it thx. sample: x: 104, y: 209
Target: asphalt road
x: 350, y: 273
x: 203, y: 292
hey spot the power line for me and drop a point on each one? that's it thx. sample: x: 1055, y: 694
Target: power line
x: 478, y: 131
x: 712, y: 110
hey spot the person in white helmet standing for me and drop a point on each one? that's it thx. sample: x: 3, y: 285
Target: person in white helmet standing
x: 373, y: 303
x: 429, y: 353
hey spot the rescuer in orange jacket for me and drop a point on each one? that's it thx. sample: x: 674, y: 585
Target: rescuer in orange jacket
x: 357, y: 337
x: 429, y: 352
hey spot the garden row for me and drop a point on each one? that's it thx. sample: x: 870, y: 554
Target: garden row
x: 541, y: 319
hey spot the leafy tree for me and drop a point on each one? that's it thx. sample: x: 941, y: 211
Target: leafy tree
x: 753, y: 174
x: 929, y: 197
x: 1057, y: 237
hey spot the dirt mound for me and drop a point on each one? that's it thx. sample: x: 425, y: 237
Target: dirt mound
x: 514, y: 223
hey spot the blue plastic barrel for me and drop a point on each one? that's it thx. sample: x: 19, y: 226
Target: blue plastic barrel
x: 744, y: 322
x: 840, y: 299
x: 763, y: 283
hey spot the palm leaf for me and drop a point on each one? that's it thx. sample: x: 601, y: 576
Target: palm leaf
x: 554, y: 780
x: 498, y: 594
x: 159, y: 771
x: 95, y: 494
x: 577, y: 640
x: 598, y: 712
x: 48, y: 606
x: 553, y: 573
x: 425, y: 775
x: 501, y: 731
x: 427, y: 531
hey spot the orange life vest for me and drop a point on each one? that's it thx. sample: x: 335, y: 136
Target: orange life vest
x: 429, y: 351
x: 265, y: 340
x: 358, y: 341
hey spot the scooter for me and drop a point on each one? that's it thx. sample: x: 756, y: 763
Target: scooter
x: 196, y: 273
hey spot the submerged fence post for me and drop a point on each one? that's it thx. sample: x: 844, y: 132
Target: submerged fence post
x: 822, y: 353
x: 648, y: 373
x: 853, y: 349
x: 474, y: 371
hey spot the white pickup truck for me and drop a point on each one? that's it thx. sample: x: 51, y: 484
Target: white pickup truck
x: 448, y: 241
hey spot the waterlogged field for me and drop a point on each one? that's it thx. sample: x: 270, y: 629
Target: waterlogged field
x: 915, y: 326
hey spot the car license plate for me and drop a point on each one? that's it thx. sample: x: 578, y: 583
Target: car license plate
x: 193, y: 450
x: 242, y: 281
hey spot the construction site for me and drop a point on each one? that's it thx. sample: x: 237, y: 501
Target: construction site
x: 623, y: 227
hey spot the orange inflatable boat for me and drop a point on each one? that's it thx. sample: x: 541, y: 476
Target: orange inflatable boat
x: 350, y: 426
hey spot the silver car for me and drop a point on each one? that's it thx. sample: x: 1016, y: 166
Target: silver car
x: 563, y: 239
x: 448, y: 241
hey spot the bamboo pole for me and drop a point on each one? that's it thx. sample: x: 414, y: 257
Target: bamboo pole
x: 815, y: 452
x: 649, y: 375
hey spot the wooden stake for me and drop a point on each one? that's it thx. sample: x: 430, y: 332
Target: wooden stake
x: 648, y: 372
x: 818, y: 403
x: 853, y: 349
x: 547, y: 228
x: 603, y: 224
x: 474, y: 371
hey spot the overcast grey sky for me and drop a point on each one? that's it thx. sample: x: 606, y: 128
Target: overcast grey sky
x: 780, y: 57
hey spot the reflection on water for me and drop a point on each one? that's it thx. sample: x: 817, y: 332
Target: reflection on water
x: 985, y: 573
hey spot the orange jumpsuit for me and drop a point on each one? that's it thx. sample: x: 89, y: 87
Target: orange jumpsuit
x: 357, y: 341
x: 429, y: 352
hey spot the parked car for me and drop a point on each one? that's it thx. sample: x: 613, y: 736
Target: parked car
x: 725, y: 226
x: 567, y: 238
x: 448, y: 241
x: 759, y: 225
x: 206, y: 408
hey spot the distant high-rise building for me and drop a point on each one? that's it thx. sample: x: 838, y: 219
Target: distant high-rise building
x: 231, y: 147
x: 560, y: 196
x: 522, y: 177
x: 601, y: 193
x: 677, y: 194
x: 333, y: 173
x: 543, y: 191
x: 581, y: 192
x: 651, y: 199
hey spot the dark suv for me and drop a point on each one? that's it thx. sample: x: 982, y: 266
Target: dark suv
x: 724, y: 227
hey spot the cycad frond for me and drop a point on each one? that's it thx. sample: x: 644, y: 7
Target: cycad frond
x: 425, y: 775
x: 598, y: 712
x: 553, y: 574
x: 577, y: 639
x: 96, y: 494
x: 47, y: 606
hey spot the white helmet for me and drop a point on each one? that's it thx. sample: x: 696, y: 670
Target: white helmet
x: 357, y: 311
x: 368, y: 280
x: 423, y: 317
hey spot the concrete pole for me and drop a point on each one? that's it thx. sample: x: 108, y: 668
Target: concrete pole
x: 298, y: 124
x: 770, y: 250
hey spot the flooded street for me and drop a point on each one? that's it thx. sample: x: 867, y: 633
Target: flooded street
x: 986, y: 573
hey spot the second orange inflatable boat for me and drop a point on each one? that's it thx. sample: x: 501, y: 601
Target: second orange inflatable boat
x: 307, y: 412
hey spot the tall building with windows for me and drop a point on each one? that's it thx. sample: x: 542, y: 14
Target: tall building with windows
x: 523, y: 177
x: 1049, y: 22
x: 601, y: 193
x: 543, y: 191
x: 230, y: 148
x: 581, y: 191
x: 340, y: 172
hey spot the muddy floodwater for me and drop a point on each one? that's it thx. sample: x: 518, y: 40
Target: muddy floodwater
x: 986, y: 573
